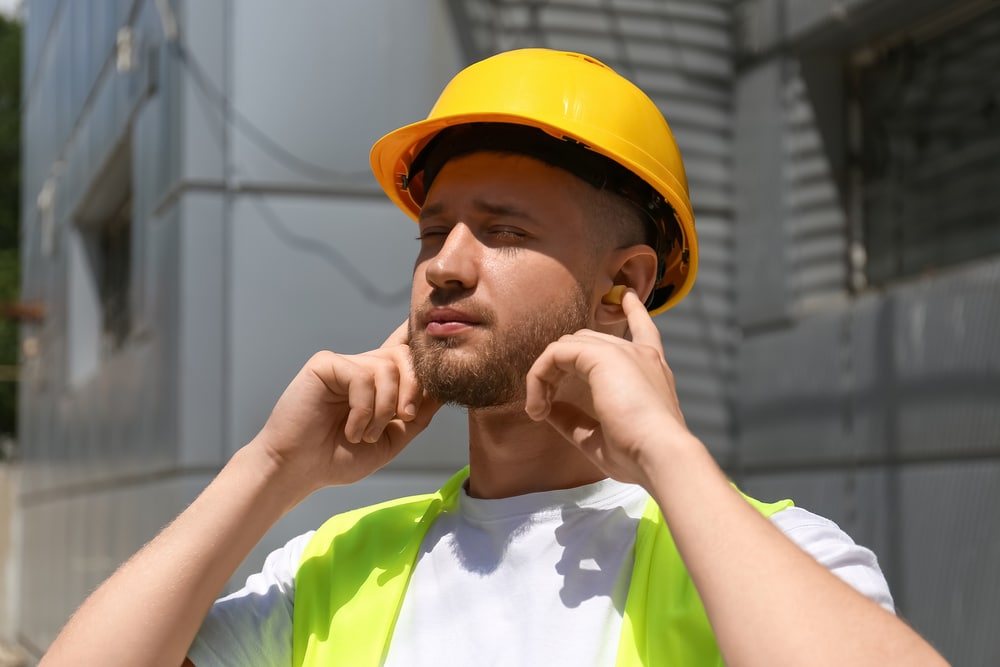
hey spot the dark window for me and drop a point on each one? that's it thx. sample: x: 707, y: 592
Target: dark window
x: 100, y: 268
x: 927, y: 124
x: 113, y: 245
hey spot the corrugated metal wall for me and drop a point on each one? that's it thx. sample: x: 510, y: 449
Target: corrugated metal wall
x: 233, y: 286
x: 875, y: 407
x: 814, y: 214
x: 680, y: 53
x: 86, y: 440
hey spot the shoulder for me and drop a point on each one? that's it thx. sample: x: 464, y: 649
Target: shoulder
x: 277, y: 576
x: 253, y: 625
x: 833, y: 548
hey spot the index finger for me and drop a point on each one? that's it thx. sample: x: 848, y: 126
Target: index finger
x: 401, y: 336
x: 640, y: 324
x: 408, y: 392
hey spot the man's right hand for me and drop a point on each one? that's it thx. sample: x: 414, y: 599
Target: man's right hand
x: 340, y: 419
x: 345, y: 416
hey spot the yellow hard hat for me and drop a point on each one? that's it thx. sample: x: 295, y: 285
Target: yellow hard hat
x: 573, y: 98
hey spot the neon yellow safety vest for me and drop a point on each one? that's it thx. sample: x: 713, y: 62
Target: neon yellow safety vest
x: 353, y: 575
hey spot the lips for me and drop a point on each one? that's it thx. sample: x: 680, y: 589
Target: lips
x: 449, y: 321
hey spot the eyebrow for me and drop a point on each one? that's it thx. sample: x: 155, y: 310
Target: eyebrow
x: 490, y: 208
x: 501, y: 210
x: 431, y: 211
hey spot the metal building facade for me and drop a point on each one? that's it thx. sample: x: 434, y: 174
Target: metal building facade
x: 238, y: 147
x: 874, y: 400
x: 257, y: 237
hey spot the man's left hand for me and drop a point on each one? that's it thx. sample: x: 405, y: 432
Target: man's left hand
x: 613, y: 398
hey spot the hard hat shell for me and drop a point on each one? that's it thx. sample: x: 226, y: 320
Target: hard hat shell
x: 569, y: 96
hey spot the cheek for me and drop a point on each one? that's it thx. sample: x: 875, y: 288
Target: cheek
x: 556, y: 273
x: 531, y: 287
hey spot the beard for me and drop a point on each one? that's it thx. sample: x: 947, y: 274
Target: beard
x: 495, y: 374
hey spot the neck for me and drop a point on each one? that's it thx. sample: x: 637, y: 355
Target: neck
x: 511, y: 455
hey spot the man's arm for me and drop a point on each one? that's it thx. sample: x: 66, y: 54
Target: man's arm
x: 340, y: 419
x: 769, y: 602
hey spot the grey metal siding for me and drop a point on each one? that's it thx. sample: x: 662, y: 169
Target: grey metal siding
x: 116, y: 449
x: 876, y: 407
x: 815, y: 221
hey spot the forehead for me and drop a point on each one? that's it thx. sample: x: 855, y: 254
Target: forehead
x: 543, y: 192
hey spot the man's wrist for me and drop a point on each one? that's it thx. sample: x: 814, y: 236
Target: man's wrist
x: 277, y: 483
x: 674, y: 460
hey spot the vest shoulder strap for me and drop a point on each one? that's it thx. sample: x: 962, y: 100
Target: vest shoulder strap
x: 665, y: 622
x: 373, y: 550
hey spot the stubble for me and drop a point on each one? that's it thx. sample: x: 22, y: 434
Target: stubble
x: 495, y: 374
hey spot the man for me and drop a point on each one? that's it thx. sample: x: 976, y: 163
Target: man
x: 544, y: 185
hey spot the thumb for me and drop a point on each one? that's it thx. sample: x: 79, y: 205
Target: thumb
x: 400, y: 433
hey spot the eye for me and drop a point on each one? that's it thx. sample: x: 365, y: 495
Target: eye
x: 507, y: 234
x: 431, y: 233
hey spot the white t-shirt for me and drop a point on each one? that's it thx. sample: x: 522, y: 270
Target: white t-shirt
x: 538, y: 579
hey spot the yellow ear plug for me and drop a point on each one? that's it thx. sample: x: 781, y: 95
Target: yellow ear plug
x: 614, y: 295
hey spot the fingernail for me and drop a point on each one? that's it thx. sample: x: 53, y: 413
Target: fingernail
x: 410, y: 411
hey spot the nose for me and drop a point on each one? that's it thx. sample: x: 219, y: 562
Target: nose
x: 454, y: 264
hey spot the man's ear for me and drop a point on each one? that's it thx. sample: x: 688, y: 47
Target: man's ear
x: 635, y: 267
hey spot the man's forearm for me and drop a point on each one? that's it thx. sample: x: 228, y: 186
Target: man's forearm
x: 769, y: 602
x: 149, y: 611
